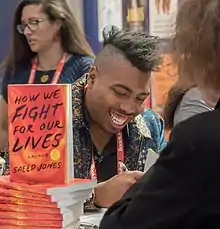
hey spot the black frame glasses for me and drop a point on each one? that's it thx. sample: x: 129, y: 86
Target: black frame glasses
x: 32, y: 25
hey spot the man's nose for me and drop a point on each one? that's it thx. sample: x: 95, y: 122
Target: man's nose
x: 129, y: 107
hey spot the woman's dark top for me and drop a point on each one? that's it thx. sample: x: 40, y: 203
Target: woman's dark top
x: 182, y: 189
x: 74, y: 68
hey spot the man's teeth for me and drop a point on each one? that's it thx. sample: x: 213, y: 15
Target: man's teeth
x: 117, y: 120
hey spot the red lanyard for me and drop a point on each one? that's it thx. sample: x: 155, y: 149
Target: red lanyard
x: 120, y: 156
x: 56, y: 75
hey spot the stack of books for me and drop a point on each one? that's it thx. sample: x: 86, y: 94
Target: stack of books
x: 25, y: 206
x: 41, y: 191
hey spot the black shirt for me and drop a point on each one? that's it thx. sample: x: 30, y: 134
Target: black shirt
x: 182, y: 190
x: 106, y: 162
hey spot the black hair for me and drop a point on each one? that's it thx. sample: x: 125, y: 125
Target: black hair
x: 139, y: 48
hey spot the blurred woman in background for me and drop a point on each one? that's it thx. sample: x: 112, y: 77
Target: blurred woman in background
x: 184, y: 101
x: 48, y: 47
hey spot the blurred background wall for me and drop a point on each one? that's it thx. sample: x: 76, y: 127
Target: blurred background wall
x: 77, y: 9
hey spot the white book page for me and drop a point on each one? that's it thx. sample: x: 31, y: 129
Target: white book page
x: 70, y: 164
x: 152, y: 157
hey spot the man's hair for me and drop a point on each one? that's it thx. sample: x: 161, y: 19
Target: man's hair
x: 139, y: 48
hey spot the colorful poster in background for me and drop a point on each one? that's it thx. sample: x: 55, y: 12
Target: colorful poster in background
x: 135, y: 17
x: 38, y: 133
x: 109, y: 13
x: 162, y: 17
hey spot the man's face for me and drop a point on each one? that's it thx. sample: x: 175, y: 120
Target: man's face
x: 117, y: 94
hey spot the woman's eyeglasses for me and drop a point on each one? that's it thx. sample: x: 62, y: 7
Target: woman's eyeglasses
x: 32, y: 25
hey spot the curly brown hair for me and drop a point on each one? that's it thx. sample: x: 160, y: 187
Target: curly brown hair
x: 196, y: 48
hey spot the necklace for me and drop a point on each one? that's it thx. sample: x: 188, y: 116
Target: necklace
x: 44, y: 78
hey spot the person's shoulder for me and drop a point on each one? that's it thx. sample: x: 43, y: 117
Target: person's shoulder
x: 82, y: 59
x: 152, y: 118
x: 194, y: 96
x: 151, y: 126
x: 201, y: 134
x: 76, y: 67
x: 195, y: 92
x: 207, y: 117
x: 19, y: 75
x: 191, y: 104
x: 151, y: 121
x: 203, y: 127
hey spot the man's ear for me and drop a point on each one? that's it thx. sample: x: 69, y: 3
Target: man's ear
x: 92, y: 76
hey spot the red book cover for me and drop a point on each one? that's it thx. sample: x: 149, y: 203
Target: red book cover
x: 26, y: 202
x: 26, y: 208
x: 31, y: 223
x: 40, y: 133
x: 5, y: 182
x: 24, y: 227
x: 24, y: 195
x: 30, y: 216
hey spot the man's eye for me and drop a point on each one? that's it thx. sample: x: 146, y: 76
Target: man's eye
x: 121, y: 93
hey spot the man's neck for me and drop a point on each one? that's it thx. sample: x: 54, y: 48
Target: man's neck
x: 99, y: 137
x: 49, y: 59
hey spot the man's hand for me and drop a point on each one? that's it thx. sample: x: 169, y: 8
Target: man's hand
x: 110, y: 191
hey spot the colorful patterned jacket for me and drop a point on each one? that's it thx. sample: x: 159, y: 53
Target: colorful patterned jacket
x: 145, y: 132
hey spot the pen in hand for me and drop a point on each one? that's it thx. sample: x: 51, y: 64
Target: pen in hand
x: 123, y: 167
